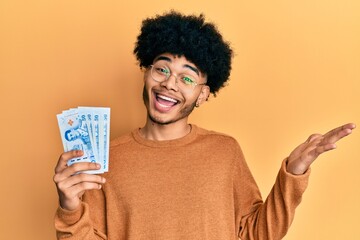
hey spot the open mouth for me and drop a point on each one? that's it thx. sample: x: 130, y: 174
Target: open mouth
x: 164, y: 102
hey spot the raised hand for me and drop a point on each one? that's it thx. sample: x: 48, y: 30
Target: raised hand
x: 71, y: 184
x: 305, y: 154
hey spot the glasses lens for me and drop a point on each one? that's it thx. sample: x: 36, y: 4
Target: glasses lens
x: 159, y: 73
x: 186, y: 82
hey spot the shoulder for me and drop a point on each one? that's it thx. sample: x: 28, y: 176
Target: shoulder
x: 220, y: 145
x: 121, y: 140
x: 218, y: 137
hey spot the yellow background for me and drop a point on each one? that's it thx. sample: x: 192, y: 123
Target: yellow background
x: 296, y: 71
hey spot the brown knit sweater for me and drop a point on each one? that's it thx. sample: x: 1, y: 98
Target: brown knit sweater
x: 198, y: 187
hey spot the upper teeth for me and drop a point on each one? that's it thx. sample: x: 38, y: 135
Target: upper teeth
x: 167, y: 98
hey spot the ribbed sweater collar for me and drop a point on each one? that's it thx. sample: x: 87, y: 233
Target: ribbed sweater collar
x: 190, y: 137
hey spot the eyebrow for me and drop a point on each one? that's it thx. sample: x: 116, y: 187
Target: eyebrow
x: 194, y: 69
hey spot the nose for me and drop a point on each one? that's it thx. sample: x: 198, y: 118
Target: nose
x: 171, y: 83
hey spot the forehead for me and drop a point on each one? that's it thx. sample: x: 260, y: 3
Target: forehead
x: 172, y: 58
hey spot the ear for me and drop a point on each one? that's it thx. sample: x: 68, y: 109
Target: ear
x: 203, y: 96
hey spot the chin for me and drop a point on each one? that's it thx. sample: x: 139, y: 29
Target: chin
x: 162, y: 118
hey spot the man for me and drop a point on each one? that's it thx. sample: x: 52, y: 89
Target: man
x: 173, y: 180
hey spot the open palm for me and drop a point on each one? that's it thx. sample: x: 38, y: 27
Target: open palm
x: 305, y: 154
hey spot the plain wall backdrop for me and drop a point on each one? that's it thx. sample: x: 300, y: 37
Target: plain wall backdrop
x: 296, y: 71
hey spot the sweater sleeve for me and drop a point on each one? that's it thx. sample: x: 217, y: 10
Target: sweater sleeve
x: 86, y: 222
x: 269, y: 220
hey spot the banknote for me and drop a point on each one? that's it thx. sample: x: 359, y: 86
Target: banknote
x: 99, y: 118
x: 105, y: 123
x: 87, y: 129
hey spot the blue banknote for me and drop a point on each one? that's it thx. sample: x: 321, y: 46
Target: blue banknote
x: 105, y: 123
x: 87, y: 129
x: 99, y: 121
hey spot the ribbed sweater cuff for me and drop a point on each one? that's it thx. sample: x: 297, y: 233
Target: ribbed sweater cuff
x: 297, y: 183
x: 70, y: 217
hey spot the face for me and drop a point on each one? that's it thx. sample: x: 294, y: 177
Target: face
x: 167, y: 102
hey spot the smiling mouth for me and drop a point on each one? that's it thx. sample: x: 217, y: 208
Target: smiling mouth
x: 165, y: 101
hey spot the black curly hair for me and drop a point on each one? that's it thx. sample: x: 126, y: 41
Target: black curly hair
x: 189, y: 36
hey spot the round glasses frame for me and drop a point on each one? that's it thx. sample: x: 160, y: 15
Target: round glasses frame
x: 164, y: 76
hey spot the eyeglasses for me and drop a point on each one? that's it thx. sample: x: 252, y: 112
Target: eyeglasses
x: 184, y: 81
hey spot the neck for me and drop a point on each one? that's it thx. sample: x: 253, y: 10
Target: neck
x: 162, y: 132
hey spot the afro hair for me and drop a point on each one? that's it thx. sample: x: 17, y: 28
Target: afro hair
x: 190, y: 36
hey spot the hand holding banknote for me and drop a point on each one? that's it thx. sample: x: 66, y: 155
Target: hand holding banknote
x: 85, y: 135
x: 71, y: 181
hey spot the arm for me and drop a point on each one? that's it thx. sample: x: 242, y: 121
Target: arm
x: 271, y: 219
x: 73, y: 217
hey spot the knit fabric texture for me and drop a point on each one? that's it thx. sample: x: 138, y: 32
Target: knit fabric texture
x: 198, y: 187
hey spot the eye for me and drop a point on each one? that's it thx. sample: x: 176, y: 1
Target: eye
x: 162, y: 70
x: 187, y: 80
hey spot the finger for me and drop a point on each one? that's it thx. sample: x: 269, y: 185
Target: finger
x: 346, y: 128
x: 320, y: 150
x: 312, y: 150
x: 78, y: 179
x: 349, y: 125
x: 82, y: 187
x: 313, y: 137
x: 75, y: 168
x: 75, y: 190
x: 339, y: 133
x: 318, y: 147
x: 65, y: 157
